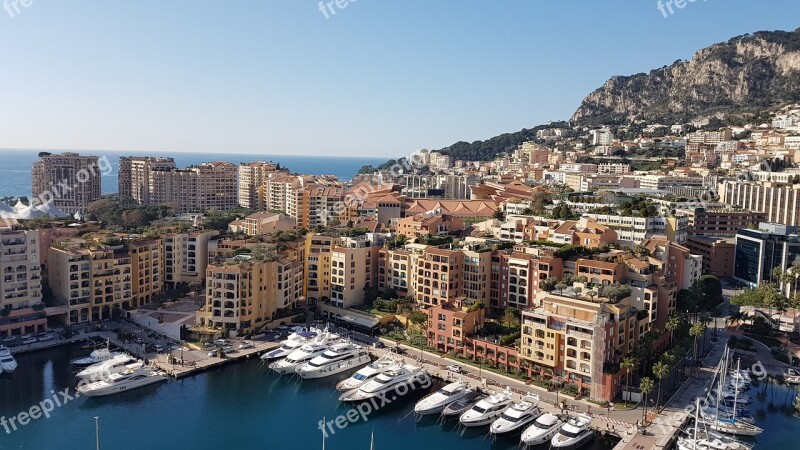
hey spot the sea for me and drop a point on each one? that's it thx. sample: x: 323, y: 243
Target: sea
x: 15, y: 165
x: 239, y: 406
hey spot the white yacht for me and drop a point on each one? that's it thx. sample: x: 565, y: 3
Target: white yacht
x: 458, y: 407
x: 290, y: 344
x: 123, y: 381
x: 574, y: 433
x: 103, y: 369
x: 97, y: 356
x: 435, y: 403
x: 7, y: 362
x: 517, y: 416
x: 542, y: 430
x: 485, y: 411
x: 399, y: 379
x: 339, y: 358
x: 302, y: 355
x: 367, y: 373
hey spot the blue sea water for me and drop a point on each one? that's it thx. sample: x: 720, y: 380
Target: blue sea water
x: 15, y: 165
x: 238, y: 406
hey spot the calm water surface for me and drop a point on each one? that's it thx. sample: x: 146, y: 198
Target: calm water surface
x: 235, y: 407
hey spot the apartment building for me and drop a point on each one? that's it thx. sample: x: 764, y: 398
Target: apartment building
x: 21, y: 284
x: 397, y: 268
x: 780, y: 202
x: 572, y: 338
x: 718, y: 254
x: 665, y: 182
x: 252, y: 175
x: 147, y: 270
x: 678, y: 261
x: 451, y: 324
x: 322, y: 206
x: 613, y: 169
x: 354, y: 263
x: 134, y: 178
x: 439, y: 276
x: 318, y: 252
x: 186, y: 256
x: 722, y: 222
x: 584, y: 232
x: 262, y: 223
x: 208, y: 186
x: 69, y: 180
x: 243, y: 294
x: 429, y: 224
x: 91, y: 281
x: 634, y: 230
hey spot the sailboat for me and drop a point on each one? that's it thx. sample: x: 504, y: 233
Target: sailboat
x: 728, y: 423
x: 710, y: 441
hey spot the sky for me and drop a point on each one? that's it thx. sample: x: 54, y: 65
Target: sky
x: 364, y: 78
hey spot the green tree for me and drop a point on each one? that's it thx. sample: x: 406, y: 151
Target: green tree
x: 646, y: 385
x: 548, y: 284
x: 628, y: 364
x: 672, y: 325
x: 708, y: 291
x: 697, y: 331
x: 511, y: 319
x: 660, y: 371
x: 418, y: 317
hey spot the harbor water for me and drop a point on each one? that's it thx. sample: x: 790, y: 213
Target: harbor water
x: 239, y: 406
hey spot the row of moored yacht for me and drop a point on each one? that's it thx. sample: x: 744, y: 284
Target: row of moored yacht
x: 504, y: 416
x: 106, y: 372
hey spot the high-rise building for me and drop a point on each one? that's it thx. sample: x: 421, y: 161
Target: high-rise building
x: 186, y: 257
x: 251, y: 176
x: 20, y: 283
x: 91, y: 282
x: 70, y: 181
x: 760, y: 251
x: 147, y: 264
x: 134, y: 179
x: 244, y: 293
x: 353, y: 270
x: 780, y: 202
x: 156, y: 181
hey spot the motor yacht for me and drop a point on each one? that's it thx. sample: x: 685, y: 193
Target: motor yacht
x: 290, y: 344
x: 339, y: 358
x: 367, y: 373
x: 395, y: 382
x: 97, y: 356
x: 103, y: 369
x: 123, y: 381
x: 574, y: 433
x: 542, y: 430
x: 458, y: 407
x: 517, y: 416
x: 436, y: 403
x: 305, y: 353
x: 487, y: 410
x: 7, y: 362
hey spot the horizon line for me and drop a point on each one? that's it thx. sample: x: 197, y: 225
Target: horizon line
x: 158, y: 153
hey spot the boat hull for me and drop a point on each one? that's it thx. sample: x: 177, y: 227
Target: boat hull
x: 333, y: 369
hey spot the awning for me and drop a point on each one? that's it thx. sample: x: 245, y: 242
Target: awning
x: 360, y: 321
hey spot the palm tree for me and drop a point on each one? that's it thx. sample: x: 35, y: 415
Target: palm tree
x: 672, y: 325
x: 660, y: 371
x: 628, y: 364
x: 646, y: 386
x: 696, y: 332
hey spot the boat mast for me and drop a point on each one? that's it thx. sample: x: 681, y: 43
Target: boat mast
x: 97, y: 432
x: 323, y: 431
x: 372, y: 441
x: 696, y: 420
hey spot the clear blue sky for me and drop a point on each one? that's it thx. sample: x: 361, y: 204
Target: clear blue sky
x: 381, y: 77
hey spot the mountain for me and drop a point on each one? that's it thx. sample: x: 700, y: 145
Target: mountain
x: 745, y: 74
x: 489, y: 149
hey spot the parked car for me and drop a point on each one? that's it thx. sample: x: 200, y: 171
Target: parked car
x: 246, y: 344
x: 159, y: 348
x: 29, y: 340
x: 221, y: 342
x: 46, y: 337
x: 378, y: 344
x: 229, y: 349
x: 455, y: 368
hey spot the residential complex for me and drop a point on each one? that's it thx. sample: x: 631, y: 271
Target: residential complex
x: 68, y: 181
